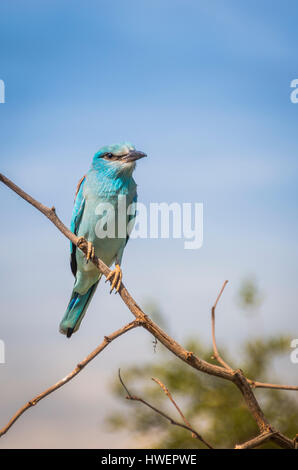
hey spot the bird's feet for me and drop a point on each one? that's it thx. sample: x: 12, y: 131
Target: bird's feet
x: 117, y: 275
x: 90, y: 248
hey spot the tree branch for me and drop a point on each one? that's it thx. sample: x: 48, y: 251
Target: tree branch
x: 79, y: 367
x: 166, y: 391
x: 163, y: 414
x: 255, y: 384
x: 256, y: 441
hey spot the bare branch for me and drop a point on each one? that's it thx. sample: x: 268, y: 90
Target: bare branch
x: 107, y: 340
x: 284, y: 441
x: 242, y: 383
x: 216, y: 355
x: 163, y: 414
x: 255, y: 384
x: 256, y: 441
x: 166, y: 391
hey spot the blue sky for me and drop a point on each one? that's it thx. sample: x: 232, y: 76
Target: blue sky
x: 203, y: 87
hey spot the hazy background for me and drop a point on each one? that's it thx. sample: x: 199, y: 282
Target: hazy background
x: 203, y: 87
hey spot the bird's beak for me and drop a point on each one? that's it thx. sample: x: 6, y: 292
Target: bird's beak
x: 133, y: 155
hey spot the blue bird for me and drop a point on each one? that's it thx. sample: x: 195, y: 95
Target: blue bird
x: 108, y: 180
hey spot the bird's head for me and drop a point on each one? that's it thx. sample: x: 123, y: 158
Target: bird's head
x: 117, y: 159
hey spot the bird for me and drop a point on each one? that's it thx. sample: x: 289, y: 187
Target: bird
x: 109, y: 178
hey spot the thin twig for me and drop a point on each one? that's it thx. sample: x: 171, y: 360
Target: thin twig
x: 107, y: 340
x: 163, y: 414
x: 216, y: 354
x: 256, y: 441
x: 277, y: 437
x: 255, y: 384
x: 167, y: 392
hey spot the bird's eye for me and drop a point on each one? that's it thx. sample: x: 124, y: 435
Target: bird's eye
x: 109, y: 155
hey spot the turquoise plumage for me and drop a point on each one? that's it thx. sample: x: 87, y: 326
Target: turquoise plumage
x: 109, y: 178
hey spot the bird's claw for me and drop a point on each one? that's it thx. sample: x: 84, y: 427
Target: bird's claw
x: 117, y: 274
x: 90, y: 248
x: 90, y: 252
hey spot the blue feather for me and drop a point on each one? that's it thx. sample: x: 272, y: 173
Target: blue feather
x: 109, y: 177
x: 76, y: 310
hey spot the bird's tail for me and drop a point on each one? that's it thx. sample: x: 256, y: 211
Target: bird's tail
x: 75, y: 312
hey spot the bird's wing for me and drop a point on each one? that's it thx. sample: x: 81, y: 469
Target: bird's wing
x: 131, y: 222
x: 77, y: 213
